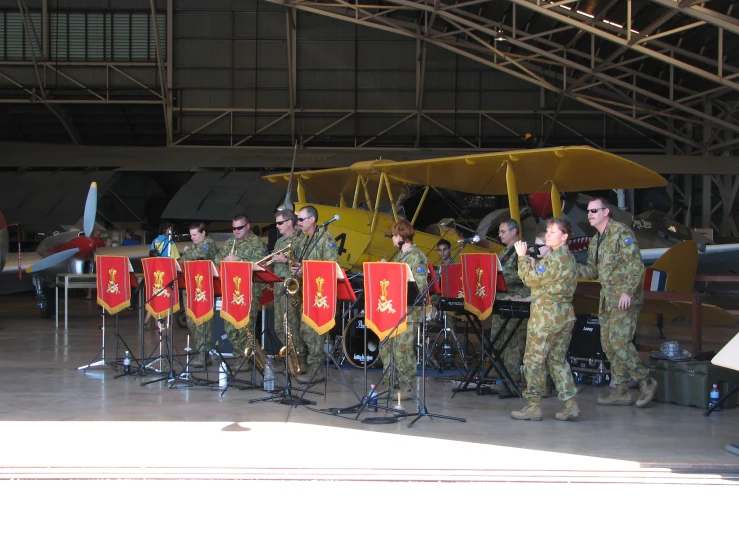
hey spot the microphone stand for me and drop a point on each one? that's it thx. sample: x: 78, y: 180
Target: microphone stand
x: 170, y: 377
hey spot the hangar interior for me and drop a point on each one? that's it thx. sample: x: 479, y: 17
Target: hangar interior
x: 234, y: 84
x: 163, y: 96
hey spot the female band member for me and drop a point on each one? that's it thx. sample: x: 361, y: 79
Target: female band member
x: 553, y: 280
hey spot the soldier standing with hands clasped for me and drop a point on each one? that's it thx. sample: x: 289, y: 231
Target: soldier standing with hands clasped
x: 615, y: 260
x: 553, y: 281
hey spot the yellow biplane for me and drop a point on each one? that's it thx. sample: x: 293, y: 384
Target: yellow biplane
x: 368, y: 195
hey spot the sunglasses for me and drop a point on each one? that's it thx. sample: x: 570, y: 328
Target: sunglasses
x: 595, y: 210
x: 281, y: 222
x: 304, y: 218
x: 239, y: 228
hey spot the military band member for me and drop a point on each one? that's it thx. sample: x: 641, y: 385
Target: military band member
x: 509, y: 233
x: 444, y: 249
x: 246, y: 247
x: 314, y: 244
x: 615, y: 260
x: 202, y: 248
x: 402, y: 348
x: 286, y: 222
x: 553, y: 281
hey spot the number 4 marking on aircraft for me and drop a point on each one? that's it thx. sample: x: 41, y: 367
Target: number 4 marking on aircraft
x: 340, y: 240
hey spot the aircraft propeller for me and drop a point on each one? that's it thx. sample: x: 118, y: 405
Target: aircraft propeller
x: 83, y: 245
x: 51, y: 261
x: 91, y: 208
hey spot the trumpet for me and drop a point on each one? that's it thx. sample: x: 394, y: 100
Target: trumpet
x: 269, y: 258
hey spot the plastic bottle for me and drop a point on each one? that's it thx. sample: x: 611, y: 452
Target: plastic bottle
x: 269, y: 378
x: 127, y: 362
x: 372, y: 399
x: 223, y: 375
x: 713, y: 398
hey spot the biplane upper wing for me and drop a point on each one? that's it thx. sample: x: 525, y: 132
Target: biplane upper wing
x: 571, y: 169
x: 324, y: 185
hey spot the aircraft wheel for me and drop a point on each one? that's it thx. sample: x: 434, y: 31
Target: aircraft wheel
x: 182, y: 319
x: 45, y: 305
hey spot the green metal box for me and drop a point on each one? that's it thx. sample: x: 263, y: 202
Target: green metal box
x: 689, y: 383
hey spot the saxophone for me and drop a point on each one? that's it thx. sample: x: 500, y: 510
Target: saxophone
x: 293, y: 363
x: 260, y: 356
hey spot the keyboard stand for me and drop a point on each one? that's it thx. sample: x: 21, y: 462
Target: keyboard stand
x: 492, y: 358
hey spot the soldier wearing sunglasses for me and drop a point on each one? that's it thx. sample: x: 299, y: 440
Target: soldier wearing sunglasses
x: 615, y: 260
x: 244, y: 246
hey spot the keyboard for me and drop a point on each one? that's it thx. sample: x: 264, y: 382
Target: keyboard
x: 512, y: 308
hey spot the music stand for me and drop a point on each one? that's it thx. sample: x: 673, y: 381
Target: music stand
x: 344, y: 293
x: 100, y: 359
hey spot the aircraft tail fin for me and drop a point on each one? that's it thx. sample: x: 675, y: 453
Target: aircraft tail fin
x: 680, y: 264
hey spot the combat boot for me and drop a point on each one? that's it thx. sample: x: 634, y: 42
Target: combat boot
x: 647, y: 388
x: 571, y: 411
x: 617, y: 397
x: 531, y: 412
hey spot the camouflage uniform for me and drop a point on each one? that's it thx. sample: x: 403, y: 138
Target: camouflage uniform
x: 615, y: 260
x: 553, y: 282
x: 295, y: 304
x: 251, y: 249
x: 513, y: 353
x: 325, y: 249
x: 201, y: 334
x: 403, y: 346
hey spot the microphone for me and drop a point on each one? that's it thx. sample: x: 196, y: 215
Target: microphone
x: 470, y: 240
x: 326, y: 223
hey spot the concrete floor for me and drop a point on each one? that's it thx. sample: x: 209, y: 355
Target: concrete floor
x: 109, y: 465
x: 44, y: 396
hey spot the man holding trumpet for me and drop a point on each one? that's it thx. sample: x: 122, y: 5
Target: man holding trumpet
x: 244, y: 246
x: 284, y: 253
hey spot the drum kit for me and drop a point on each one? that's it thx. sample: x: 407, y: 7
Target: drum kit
x: 354, y: 343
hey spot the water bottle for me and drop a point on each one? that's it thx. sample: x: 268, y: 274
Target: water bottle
x: 713, y: 398
x: 127, y: 362
x: 223, y: 375
x: 372, y: 399
x: 269, y: 378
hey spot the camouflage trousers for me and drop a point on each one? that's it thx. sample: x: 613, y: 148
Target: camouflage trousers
x: 401, y: 351
x: 293, y: 320
x: 546, y: 349
x: 238, y: 337
x: 617, y: 328
x: 314, y: 345
x: 513, y: 353
x: 200, y: 337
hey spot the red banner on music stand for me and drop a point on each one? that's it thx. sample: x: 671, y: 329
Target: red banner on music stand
x: 386, y: 297
x: 236, y: 279
x: 200, y: 290
x: 319, y: 295
x: 113, y: 283
x: 436, y: 287
x: 479, y: 278
x: 451, y: 281
x: 162, y: 292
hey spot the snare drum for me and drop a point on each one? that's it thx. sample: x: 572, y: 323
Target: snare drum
x: 354, y: 344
